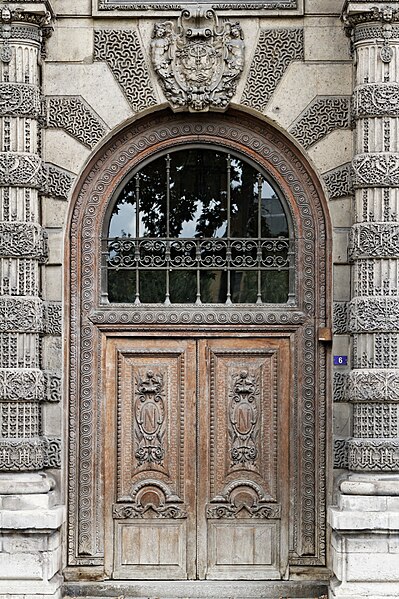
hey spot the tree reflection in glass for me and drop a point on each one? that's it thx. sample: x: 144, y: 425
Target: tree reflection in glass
x: 206, y: 231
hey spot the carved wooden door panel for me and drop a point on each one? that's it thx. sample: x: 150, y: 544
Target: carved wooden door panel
x: 196, y: 472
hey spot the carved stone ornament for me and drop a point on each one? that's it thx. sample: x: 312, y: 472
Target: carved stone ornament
x: 373, y: 455
x: 376, y: 350
x: 339, y: 182
x: 22, y: 454
x: 52, y: 452
x: 21, y: 384
x: 21, y: 315
x: 52, y: 386
x: 340, y: 381
x: 19, y: 99
x: 52, y: 318
x: 20, y: 239
x: 376, y: 170
x: 77, y: 118
x: 340, y: 453
x: 374, y: 240
x: 375, y: 420
x: 370, y: 13
x: 340, y: 318
x: 373, y: 385
x: 374, y: 314
x: 198, y: 61
x: 121, y: 50
x: 30, y: 454
x: 323, y: 115
x: 20, y: 169
x: 58, y: 182
x: 277, y: 48
x: 376, y: 99
x: 145, y: 5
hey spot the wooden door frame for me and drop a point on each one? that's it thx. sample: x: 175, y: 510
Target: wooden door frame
x: 125, y: 345
x: 88, y: 318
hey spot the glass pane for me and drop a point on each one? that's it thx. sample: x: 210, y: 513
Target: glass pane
x: 152, y: 286
x: 213, y: 286
x: 198, y: 217
x: 123, y: 218
x: 198, y: 191
x: 244, y: 287
x: 152, y: 198
x: 274, y: 220
x: 244, y: 200
x: 183, y: 286
x: 121, y: 286
x: 275, y: 286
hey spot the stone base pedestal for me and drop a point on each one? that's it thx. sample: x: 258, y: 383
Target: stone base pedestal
x: 30, y: 538
x: 365, y: 540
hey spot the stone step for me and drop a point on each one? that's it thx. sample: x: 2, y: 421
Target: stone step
x: 195, y: 590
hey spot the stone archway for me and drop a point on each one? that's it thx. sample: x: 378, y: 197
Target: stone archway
x: 97, y: 330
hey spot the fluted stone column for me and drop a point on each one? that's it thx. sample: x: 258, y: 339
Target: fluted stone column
x: 29, y: 523
x: 366, y: 521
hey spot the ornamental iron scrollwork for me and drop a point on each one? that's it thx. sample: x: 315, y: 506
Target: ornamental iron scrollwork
x: 127, y: 252
x: 198, y: 61
x: 243, y: 419
x: 149, y: 412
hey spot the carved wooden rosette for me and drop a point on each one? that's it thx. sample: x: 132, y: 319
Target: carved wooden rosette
x: 123, y: 358
x: 22, y: 247
x: 373, y: 312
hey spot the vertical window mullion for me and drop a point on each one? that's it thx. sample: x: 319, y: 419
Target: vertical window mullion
x: 259, y: 241
x: 228, y: 249
x: 137, y: 240
x: 167, y: 249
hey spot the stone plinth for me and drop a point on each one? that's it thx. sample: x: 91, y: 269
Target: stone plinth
x: 365, y: 539
x: 30, y: 537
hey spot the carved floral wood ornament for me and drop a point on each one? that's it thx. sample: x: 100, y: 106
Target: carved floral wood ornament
x: 198, y: 60
x: 163, y: 358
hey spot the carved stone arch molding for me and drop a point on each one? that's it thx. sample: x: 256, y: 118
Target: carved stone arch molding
x: 90, y: 321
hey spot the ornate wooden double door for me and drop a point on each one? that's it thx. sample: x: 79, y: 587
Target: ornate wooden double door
x: 197, y: 456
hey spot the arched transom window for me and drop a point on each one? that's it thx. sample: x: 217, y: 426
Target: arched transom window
x: 199, y: 226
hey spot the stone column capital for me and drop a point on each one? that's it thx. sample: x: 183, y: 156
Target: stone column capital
x: 36, y: 12
x: 356, y: 12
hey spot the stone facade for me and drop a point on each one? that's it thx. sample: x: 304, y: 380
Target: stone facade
x: 325, y: 74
